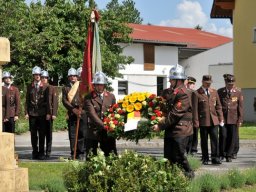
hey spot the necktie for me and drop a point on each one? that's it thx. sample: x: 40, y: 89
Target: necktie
x: 229, y: 93
x: 207, y: 93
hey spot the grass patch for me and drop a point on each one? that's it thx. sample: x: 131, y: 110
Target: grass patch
x: 194, y: 162
x: 45, y: 176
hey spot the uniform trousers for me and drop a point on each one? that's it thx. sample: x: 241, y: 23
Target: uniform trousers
x: 212, y: 131
x: 174, y: 151
x: 193, y: 142
x: 72, y: 124
x: 236, y: 148
x: 37, y: 126
x: 107, y: 145
x: 48, y: 134
x: 9, y: 126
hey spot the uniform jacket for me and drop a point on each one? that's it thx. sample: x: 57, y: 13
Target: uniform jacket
x: 37, y: 100
x: 95, y: 109
x: 75, y: 103
x: 232, y: 105
x: 178, y: 122
x: 53, y: 100
x: 207, y: 111
x: 13, y: 102
x: 4, y: 102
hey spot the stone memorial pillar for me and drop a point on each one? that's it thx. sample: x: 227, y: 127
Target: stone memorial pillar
x: 12, y: 178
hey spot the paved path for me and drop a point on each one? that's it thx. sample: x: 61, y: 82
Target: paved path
x: 246, y: 157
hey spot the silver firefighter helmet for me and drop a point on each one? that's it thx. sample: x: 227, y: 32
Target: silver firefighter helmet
x: 177, y: 72
x: 99, y: 78
x: 72, y: 72
x: 36, y: 70
x: 45, y: 74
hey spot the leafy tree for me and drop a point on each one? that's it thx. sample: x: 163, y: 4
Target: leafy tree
x: 52, y: 35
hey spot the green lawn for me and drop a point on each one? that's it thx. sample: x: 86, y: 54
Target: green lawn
x: 45, y: 176
x: 248, y: 131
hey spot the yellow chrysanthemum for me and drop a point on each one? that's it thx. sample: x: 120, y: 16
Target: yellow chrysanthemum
x: 132, y: 99
x: 130, y: 108
x: 137, y: 106
x: 148, y: 94
x: 141, y: 97
x: 135, y: 94
x: 126, y: 98
x: 125, y: 104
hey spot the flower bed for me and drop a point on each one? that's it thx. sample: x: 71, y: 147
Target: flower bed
x: 143, y: 107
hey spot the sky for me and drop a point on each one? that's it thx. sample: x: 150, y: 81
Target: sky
x: 178, y: 13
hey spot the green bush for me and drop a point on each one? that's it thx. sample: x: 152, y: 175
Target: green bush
x: 126, y: 172
x: 250, y: 176
x: 60, y: 123
x: 224, y: 182
x: 209, y: 183
x: 237, y: 179
x: 194, y: 162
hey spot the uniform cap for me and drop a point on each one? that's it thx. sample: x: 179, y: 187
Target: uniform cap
x: 226, y: 75
x: 36, y: 70
x: 207, y: 78
x: 230, y: 80
x: 72, y: 72
x: 191, y: 79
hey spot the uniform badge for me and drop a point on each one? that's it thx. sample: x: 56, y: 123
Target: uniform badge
x: 234, y: 99
x: 179, y: 105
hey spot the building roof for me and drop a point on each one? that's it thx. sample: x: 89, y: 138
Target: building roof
x: 189, y: 37
x: 222, y: 9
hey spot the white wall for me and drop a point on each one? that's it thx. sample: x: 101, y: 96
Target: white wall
x: 198, y: 65
x: 140, y: 80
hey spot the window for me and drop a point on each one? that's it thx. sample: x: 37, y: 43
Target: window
x: 122, y: 87
x: 160, y: 85
x: 149, y: 57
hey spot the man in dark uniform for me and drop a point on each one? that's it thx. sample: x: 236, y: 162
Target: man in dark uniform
x: 232, y: 106
x: 53, y: 100
x: 96, y: 104
x: 12, y: 103
x: 193, y: 139
x: 37, y: 110
x: 73, y: 103
x: 178, y: 121
x: 207, y: 114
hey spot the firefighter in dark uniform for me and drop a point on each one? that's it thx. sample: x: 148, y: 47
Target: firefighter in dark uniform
x: 73, y: 103
x: 207, y: 114
x: 96, y: 104
x: 12, y: 103
x: 232, y: 106
x: 193, y: 139
x: 178, y: 121
x: 53, y: 100
x: 37, y: 110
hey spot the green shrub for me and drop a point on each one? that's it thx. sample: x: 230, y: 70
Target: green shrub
x: 224, y: 181
x: 237, y: 179
x: 21, y: 126
x: 195, y: 185
x: 126, y: 172
x: 60, y: 123
x: 209, y: 183
x: 250, y: 176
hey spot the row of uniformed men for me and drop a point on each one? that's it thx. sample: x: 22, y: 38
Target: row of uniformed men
x: 41, y: 109
x: 204, y: 108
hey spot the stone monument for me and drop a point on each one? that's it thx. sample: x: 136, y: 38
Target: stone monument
x: 12, y: 178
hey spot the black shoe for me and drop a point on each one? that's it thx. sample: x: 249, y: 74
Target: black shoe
x: 205, y: 161
x: 34, y: 156
x: 234, y: 156
x: 228, y: 159
x: 48, y: 155
x: 190, y: 174
x: 216, y: 161
x: 41, y: 157
x: 222, y: 158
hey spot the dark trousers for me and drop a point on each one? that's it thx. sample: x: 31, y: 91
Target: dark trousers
x: 236, y: 148
x: 213, y: 132
x: 107, y: 145
x: 48, y: 134
x: 193, y: 142
x: 37, y: 130
x: 9, y: 126
x: 72, y: 124
x: 174, y: 151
